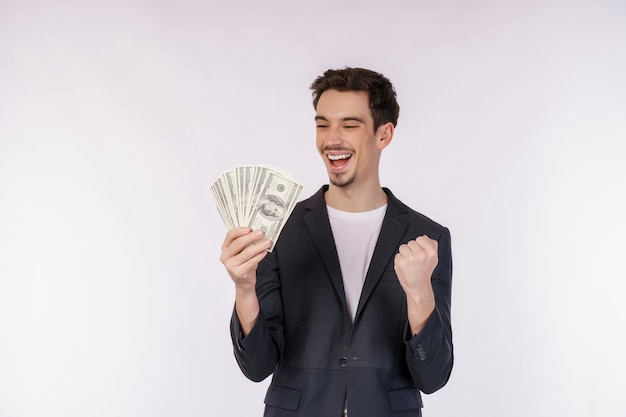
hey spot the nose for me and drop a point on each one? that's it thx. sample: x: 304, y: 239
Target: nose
x: 332, y: 136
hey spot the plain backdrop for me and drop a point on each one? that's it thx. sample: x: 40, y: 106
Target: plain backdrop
x: 116, y: 116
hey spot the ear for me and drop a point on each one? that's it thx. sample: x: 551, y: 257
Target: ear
x: 385, y: 134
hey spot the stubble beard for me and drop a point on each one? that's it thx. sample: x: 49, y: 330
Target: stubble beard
x: 341, y: 182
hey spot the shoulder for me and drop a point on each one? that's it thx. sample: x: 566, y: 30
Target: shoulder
x: 415, y: 218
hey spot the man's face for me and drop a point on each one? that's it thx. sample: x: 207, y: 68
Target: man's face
x: 345, y: 137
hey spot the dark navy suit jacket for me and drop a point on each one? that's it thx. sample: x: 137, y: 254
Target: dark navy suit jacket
x: 306, y: 338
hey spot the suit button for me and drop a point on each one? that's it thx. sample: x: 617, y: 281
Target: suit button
x: 421, y: 353
x: 343, y: 362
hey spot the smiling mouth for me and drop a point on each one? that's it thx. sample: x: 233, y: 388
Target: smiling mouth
x: 339, y: 157
x: 338, y: 160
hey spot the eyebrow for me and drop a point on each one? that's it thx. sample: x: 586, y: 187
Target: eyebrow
x: 344, y: 119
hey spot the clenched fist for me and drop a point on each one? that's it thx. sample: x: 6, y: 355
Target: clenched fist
x: 414, y: 265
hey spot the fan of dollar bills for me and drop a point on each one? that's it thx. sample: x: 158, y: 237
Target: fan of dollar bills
x: 258, y: 196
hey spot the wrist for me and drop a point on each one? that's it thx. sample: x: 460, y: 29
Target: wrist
x: 419, y: 310
x: 245, y: 289
x: 247, y: 308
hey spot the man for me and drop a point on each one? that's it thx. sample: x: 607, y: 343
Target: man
x: 351, y: 310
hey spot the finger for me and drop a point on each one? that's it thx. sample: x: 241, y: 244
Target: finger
x: 397, y: 260
x: 415, y: 246
x: 247, y: 246
x: 255, y: 247
x: 233, y: 251
x: 247, y: 259
x: 242, y: 240
x: 405, y: 250
x: 235, y: 233
x: 251, y: 263
x: 427, y: 243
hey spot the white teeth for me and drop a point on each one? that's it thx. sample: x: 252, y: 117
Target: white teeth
x: 338, y: 157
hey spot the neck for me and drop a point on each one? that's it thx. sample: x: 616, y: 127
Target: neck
x: 355, y: 199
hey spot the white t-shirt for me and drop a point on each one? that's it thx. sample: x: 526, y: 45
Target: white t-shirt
x: 355, y: 237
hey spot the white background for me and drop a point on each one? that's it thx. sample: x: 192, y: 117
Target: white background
x: 116, y: 116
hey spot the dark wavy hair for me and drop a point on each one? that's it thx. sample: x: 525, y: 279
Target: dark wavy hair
x: 382, y: 95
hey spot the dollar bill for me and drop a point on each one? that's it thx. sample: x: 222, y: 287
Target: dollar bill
x: 258, y: 196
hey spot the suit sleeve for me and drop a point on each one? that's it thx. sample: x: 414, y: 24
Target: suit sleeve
x: 429, y: 353
x: 259, y: 351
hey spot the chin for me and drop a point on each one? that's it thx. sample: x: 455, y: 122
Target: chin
x: 340, y: 181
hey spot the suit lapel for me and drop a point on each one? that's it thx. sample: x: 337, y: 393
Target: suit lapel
x: 393, y: 228
x: 316, y: 220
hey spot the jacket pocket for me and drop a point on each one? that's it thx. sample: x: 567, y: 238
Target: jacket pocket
x: 282, y: 397
x: 404, y: 399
